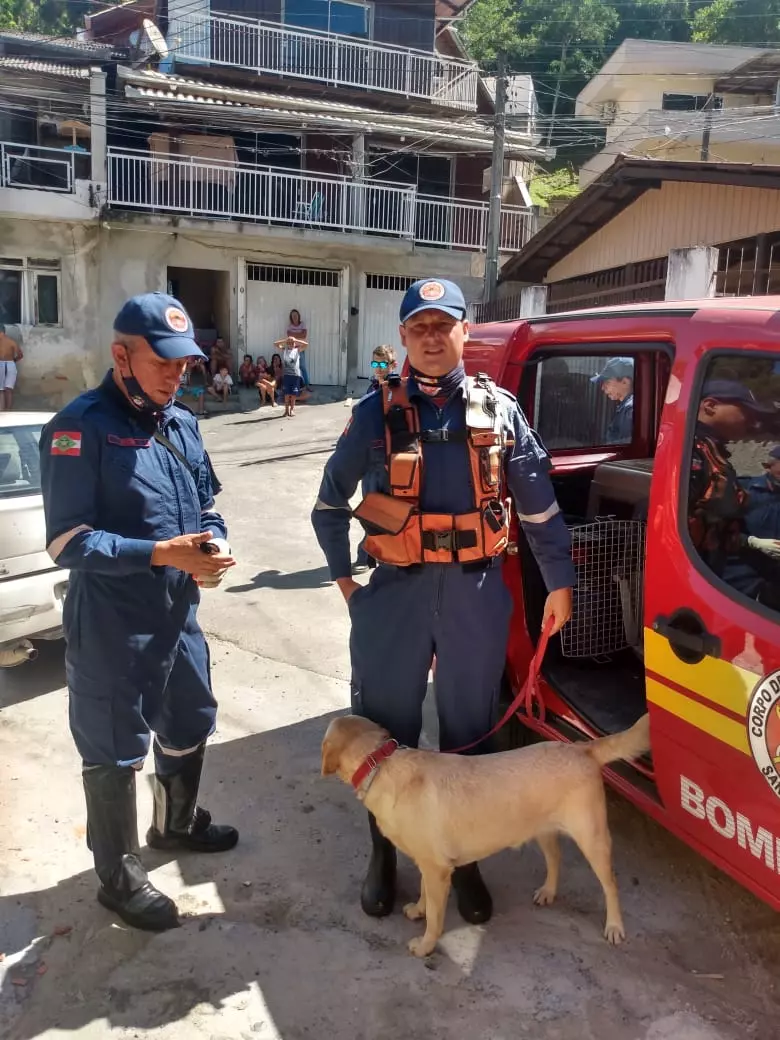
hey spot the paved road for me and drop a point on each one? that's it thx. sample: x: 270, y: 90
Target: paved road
x: 274, y: 945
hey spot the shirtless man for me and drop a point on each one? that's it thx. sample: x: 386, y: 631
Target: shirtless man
x: 10, y: 353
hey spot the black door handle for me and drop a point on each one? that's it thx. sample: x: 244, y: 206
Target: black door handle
x: 687, y: 635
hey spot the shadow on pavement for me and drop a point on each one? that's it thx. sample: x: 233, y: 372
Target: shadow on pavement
x: 291, y: 944
x: 35, y: 678
x: 316, y: 578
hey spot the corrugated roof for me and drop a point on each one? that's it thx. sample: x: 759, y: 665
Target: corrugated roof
x: 165, y: 88
x: 44, y: 68
x: 65, y: 43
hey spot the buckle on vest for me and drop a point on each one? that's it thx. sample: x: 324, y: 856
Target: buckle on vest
x: 450, y: 541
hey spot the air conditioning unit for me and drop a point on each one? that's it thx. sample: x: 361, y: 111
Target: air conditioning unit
x: 609, y: 111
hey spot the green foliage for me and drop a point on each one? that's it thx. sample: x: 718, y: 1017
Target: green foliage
x: 560, y: 185
x: 751, y: 22
x: 53, y: 17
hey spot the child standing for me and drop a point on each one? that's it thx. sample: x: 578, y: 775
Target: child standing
x: 292, y: 381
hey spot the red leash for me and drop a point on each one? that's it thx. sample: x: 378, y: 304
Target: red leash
x: 528, y: 691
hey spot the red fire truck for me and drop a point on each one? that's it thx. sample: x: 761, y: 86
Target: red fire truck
x: 655, y: 627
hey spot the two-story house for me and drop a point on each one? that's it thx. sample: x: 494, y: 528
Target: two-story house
x: 664, y: 100
x: 256, y: 156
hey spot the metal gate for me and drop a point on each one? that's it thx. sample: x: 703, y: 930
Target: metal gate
x: 381, y: 296
x: 272, y: 292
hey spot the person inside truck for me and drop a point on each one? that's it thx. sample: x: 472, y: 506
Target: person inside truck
x: 616, y: 380
x: 763, y: 515
x: 718, y: 504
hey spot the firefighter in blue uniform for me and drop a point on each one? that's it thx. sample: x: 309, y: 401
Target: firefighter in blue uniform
x: 616, y: 380
x: 763, y: 506
x: 444, y: 450
x: 129, y: 499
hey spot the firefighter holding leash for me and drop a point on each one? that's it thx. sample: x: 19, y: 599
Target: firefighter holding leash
x: 446, y: 450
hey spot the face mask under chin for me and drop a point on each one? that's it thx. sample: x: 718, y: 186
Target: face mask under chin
x: 138, y: 396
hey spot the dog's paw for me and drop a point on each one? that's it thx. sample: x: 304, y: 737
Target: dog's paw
x: 414, y: 911
x: 614, y: 934
x: 421, y: 946
x: 544, y: 896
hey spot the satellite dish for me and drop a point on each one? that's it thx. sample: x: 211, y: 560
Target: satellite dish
x: 155, y: 38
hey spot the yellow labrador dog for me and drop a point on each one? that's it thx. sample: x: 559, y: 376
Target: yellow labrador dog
x: 444, y: 811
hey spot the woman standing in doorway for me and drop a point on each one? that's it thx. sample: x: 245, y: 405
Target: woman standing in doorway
x: 297, y: 329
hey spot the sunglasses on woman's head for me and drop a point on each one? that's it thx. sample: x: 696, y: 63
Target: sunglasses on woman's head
x: 380, y: 364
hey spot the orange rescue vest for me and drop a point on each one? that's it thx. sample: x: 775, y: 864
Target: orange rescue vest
x: 397, y: 532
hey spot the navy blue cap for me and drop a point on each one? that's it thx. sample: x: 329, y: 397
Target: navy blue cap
x: 774, y: 455
x: 433, y: 294
x: 730, y: 390
x: 163, y: 323
x: 615, y: 368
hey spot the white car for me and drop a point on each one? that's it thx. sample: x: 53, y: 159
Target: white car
x: 32, y: 588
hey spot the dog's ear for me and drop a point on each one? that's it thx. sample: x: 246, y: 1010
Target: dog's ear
x: 331, y: 755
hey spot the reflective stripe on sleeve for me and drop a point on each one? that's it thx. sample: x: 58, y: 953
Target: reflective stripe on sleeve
x: 539, y: 518
x: 319, y: 504
x: 59, y: 543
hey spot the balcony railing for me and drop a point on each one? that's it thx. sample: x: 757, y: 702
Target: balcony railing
x: 341, y: 61
x: 272, y: 195
x: 45, y: 169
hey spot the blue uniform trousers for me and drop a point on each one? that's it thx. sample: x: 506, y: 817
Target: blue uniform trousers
x: 404, y: 616
x: 168, y: 693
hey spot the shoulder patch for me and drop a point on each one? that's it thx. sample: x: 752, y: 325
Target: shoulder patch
x: 66, y: 442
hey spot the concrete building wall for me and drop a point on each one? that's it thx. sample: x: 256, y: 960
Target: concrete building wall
x: 103, y: 263
x: 675, y: 216
x: 59, y: 362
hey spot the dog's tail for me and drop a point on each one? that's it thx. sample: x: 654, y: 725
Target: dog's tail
x: 631, y: 743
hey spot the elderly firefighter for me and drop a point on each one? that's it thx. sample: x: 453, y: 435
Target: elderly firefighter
x: 445, y: 451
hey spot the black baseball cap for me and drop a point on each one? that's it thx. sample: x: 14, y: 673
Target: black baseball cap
x: 732, y: 392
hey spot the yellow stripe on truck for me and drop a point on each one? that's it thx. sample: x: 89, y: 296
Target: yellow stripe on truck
x: 718, y: 681
x: 708, y: 720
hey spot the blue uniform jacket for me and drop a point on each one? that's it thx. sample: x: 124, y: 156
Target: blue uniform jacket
x: 446, y: 484
x: 110, y: 492
x: 763, y: 507
x: 621, y: 427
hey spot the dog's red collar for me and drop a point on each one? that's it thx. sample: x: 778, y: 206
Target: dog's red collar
x: 372, y: 763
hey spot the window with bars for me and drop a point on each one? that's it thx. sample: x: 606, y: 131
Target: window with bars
x: 30, y: 291
x: 293, y: 275
x: 389, y: 282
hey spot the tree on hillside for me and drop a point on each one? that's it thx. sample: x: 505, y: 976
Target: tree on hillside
x: 752, y: 22
x: 561, y: 43
x: 45, y: 16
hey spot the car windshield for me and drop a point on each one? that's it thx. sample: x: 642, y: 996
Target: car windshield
x: 20, y: 468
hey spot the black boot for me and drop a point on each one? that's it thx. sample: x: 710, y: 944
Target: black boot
x: 377, y: 897
x: 178, y: 821
x: 112, y: 830
x: 474, y: 902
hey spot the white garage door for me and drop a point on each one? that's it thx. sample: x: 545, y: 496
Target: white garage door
x: 382, y: 295
x: 272, y: 292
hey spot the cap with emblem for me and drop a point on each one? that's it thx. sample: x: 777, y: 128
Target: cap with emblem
x: 430, y: 294
x: 731, y: 392
x: 163, y: 323
x: 615, y: 368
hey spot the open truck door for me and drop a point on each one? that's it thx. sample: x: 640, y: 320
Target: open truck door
x: 712, y: 606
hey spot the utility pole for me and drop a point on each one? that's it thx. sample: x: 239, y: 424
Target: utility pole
x: 496, y: 185
x: 705, y: 134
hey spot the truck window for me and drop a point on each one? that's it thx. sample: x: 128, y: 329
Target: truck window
x: 584, y: 401
x: 733, y: 508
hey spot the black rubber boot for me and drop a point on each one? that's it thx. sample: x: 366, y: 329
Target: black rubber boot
x: 178, y: 822
x: 475, y: 904
x: 377, y: 897
x: 112, y: 830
